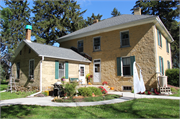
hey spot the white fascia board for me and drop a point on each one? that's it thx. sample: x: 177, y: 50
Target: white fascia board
x: 121, y: 26
x: 65, y: 58
x: 163, y: 30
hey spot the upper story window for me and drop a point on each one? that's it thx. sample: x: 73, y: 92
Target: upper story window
x: 20, y: 52
x: 29, y: 50
x: 125, y: 39
x: 18, y: 70
x: 80, y: 46
x: 31, y: 68
x: 97, y: 44
x: 167, y: 46
x: 159, y: 38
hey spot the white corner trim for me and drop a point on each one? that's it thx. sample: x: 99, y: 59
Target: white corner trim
x: 155, y: 46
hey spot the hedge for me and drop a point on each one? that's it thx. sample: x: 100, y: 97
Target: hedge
x: 173, y: 76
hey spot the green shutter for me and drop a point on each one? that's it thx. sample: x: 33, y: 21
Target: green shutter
x: 131, y: 65
x: 158, y: 37
x: 66, y: 70
x: 118, y: 66
x: 162, y: 66
x: 167, y: 47
x: 56, y: 69
x: 168, y: 64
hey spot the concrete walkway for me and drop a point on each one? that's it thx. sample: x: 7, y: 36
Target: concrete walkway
x: 47, y: 101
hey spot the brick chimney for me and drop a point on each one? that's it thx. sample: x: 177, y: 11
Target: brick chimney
x: 137, y: 11
x: 28, y: 32
x: 95, y: 21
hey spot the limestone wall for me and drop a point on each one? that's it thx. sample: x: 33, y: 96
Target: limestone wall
x: 48, y: 71
x: 24, y: 67
x: 141, y: 46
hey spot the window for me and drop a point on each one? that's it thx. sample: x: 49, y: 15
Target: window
x: 159, y: 38
x: 125, y: 39
x: 168, y: 64
x: 97, y: 44
x: 80, y: 46
x: 61, y: 69
x: 167, y: 46
x: 29, y: 50
x: 31, y: 68
x: 126, y: 87
x: 20, y: 52
x: 18, y: 70
x: 126, y: 66
x: 161, y: 65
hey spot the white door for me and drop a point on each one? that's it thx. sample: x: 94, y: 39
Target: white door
x: 97, y: 70
x: 82, y: 73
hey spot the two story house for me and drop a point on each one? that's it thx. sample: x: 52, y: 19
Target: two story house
x: 115, y: 43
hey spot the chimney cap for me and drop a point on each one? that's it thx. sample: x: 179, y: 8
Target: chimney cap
x: 28, y: 27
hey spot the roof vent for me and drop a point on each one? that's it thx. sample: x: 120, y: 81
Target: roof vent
x: 137, y: 11
x: 28, y: 32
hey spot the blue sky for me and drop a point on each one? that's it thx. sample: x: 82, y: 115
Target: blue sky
x: 102, y: 7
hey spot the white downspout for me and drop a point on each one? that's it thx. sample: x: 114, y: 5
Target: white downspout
x: 40, y: 78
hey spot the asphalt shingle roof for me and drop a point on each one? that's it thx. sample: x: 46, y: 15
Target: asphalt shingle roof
x: 114, y: 21
x: 56, y: 52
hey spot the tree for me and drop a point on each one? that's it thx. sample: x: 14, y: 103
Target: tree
x: 168, y: 12
x: 115, y: 13
x: 55, y: 19
x: 13, y: 21
x: 91, y: 19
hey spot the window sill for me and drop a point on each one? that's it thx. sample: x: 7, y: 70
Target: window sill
x: 96, y: 50
x: 125, y: 46
x: 127, y: 76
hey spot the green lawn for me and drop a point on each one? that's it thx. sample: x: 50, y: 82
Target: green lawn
x: 137, y: 108
x: 9, y: 95
x: 176, y: 93
x: 3, y: 87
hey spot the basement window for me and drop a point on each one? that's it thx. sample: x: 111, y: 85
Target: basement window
x: 127, y: 88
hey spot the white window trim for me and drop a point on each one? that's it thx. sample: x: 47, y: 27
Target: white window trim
x: 100, y: 43
x: 121, y: 39
x: 29, y: 66
x: 122, y: 66
x: 64, y: 68
x: 83, y: 45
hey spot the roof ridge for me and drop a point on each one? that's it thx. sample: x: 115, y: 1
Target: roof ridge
x: 46, y: 45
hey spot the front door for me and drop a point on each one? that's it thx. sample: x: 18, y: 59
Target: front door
x: 97, y: 70
x: 82, y: 73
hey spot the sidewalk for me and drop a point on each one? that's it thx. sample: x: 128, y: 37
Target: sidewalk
x: 46, y: 101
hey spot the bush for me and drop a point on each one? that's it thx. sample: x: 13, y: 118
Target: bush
x: 95, y: 90
x: 46, y: 93
x: 70, y: 88
x: 173, y: 76
x: 85, y: 91
x: 173, y: 90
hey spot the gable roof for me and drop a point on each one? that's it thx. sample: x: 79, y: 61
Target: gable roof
x: 119, y: 22
x: 51, y: 51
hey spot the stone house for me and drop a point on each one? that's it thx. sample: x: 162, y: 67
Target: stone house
x: 115, y: 43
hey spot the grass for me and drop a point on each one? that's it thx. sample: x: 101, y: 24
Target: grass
x: 9, y: 95
x: 176, y: 92
x: 137, y: 108
x: 3, y: 87
x: 89, y: 99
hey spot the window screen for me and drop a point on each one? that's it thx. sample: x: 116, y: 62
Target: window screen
x: 125, y: 38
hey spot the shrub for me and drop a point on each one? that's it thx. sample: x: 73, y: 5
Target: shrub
x: 173, y: 76
x: 70, y: 88
x: 45, y: 93
x: 173, y: 90
x: 85, y: 91
x: 95, y: 90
